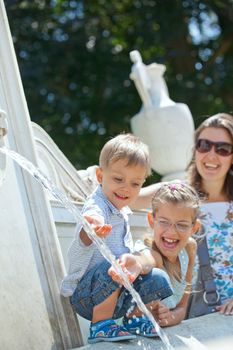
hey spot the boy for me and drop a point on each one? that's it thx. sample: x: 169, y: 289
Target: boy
x: 123, y: 167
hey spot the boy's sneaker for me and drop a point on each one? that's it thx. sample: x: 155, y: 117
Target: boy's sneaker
x: 140, y: 326
x: 108, y: 330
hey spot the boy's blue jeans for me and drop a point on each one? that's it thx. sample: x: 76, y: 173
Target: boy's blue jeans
x: 97, y: 285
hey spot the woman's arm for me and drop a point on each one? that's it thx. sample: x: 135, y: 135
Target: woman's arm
x: 145, y: 196
x: 144, y: 199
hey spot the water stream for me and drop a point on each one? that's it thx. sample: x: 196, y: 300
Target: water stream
x: 105, y: 251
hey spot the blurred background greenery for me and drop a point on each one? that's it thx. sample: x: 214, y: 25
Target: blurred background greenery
x: 74, y: 62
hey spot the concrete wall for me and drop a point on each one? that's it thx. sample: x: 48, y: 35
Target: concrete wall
x: 24, y: 320
x: 33, y: 315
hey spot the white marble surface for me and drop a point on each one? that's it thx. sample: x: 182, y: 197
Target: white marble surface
x: 212, y: 332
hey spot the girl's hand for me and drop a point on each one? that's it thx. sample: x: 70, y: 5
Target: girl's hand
x: 101, y: 229
x: 226, y: 308
x: 130, y: 266
x: 163, y: 314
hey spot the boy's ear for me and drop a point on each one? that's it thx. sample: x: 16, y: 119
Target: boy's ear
x: 196, y: 226
x: 150, y: 218
x: 98, y: 173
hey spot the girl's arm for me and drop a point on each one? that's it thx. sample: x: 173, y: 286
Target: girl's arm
x: 162, y: 313
x: 148, y: 259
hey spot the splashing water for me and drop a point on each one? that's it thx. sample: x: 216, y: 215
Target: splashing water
x: 105, y: 251
x: 192, y: 343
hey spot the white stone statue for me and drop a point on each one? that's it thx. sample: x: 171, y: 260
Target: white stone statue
x: 151, y: 87
x: 167, y: 127
x: 141, y: 79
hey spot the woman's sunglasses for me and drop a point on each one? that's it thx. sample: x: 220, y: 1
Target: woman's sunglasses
x: 221, y: 148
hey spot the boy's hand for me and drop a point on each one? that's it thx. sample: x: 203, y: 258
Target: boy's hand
x: 101, y: 229
x: 130, y: 266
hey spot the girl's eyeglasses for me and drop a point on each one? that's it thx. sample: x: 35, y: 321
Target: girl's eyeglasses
x: 179, y: 226
x: 223, y: 149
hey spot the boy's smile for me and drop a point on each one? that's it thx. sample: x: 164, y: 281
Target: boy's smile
x: 121, y: 182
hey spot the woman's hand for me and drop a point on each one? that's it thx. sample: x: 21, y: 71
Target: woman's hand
x: 226, y: 308
x: 101, y: 229
x: 130, y: 266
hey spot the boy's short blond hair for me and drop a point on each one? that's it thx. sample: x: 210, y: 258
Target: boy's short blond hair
x: 125, y: 146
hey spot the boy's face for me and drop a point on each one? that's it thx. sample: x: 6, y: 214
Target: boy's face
x: 172, y: 225
x: 121, y: 183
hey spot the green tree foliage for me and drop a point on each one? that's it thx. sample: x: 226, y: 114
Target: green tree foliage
x: 75, y: 66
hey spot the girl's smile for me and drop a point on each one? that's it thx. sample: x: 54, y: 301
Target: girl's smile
x: 173, y: 225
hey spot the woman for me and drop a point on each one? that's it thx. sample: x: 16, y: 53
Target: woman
x: 211, y: 174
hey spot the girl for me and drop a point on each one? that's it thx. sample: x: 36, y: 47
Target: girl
x: 173, y: 220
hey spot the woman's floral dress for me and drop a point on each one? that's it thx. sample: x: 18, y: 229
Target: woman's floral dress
x: 218, y: 223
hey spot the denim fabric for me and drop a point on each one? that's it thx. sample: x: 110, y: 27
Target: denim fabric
x: 97, y: 285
